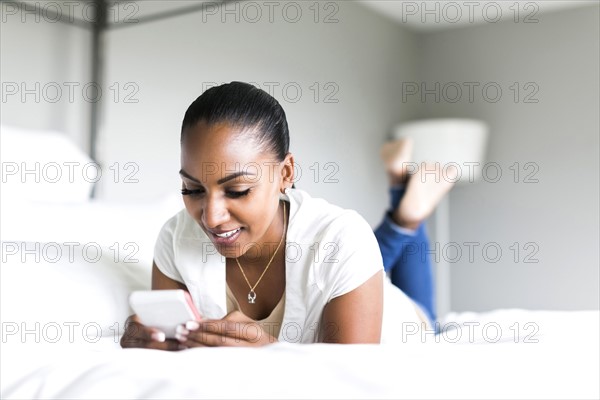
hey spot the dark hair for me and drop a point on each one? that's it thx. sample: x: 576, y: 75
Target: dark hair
x: 244, y: 106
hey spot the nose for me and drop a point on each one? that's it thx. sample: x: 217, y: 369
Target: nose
x: 214, y: 212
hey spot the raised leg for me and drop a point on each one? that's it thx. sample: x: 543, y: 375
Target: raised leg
x: 402, y: 236
x: 405, y: 254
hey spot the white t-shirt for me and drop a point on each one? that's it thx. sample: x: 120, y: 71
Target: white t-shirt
x: 329, y: 252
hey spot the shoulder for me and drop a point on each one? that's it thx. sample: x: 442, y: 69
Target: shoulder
x: 182, y: 225
x: 340, y: 241
x: 340, y: 246
x: 312, y: 217
x: 178, y: 233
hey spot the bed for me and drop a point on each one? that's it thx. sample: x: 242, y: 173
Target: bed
x: 69, y: 264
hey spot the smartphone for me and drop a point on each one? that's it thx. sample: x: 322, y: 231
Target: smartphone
x: 164, y: 309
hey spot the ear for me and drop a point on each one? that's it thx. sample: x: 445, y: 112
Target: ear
x: 287, y: 172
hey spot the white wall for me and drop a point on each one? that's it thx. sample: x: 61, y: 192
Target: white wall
x: 41, y: 62
x: 367, y: 57
x: 559, y: 134
x: 363, y: 56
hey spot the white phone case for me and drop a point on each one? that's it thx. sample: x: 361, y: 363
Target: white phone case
x: 164, y: 309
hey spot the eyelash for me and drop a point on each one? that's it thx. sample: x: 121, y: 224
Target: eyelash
x: 200, y: 192
x: 192, y: 193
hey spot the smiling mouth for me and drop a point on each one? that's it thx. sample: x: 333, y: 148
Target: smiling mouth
x: 227, y: 234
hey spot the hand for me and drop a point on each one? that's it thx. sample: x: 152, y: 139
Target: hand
x: 138, y: 335
x: 236, y: 329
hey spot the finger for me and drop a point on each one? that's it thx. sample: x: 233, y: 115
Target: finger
x: 200, y: 339
x: 168, y: 344
x: 227, y: 333
x: 135, y: 332
x: 181, y: 333
x: 191, y: 325
x: 186, y: 343
x: 221, y: 327
x: 238, y: 316
x: 246, y: 331
x: 140, y: 342
x: 138, y: 335
x: 134, y: 335
x: 234, y: 316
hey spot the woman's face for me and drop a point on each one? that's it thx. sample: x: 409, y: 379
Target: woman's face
x: 231, y: 187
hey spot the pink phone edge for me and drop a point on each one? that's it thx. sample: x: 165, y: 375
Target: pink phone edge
x: 190, y: 302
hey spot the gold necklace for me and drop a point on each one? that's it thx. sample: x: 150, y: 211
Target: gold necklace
x: 251, y: 293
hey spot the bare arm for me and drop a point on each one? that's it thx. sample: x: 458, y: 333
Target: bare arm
x: 355, y: 317
x: 161, y: 282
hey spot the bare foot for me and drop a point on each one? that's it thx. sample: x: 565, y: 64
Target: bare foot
x: 424, y: 191
x: 397, y: 156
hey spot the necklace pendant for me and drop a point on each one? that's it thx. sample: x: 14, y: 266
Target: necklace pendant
x: 251, y: 297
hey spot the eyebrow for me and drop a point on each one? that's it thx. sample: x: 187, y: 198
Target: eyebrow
x: 220, y: 181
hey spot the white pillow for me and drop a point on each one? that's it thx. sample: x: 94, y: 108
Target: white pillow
x: 44, y: 165
x: 126, y: 231
x: 64, y: 296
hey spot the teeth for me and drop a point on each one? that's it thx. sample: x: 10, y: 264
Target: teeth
x: 227, y: 234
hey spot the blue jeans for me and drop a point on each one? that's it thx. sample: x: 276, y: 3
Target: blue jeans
x: 406, y: 255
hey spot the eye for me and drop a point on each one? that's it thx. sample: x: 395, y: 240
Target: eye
x: 236, y: 195
x: 192, y: 193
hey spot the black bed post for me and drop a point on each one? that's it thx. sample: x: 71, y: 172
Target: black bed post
x: 98, y: 27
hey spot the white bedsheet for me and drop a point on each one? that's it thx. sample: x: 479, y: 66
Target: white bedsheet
x: 564, y: 363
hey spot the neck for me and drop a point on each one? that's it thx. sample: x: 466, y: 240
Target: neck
x: 260, y: 254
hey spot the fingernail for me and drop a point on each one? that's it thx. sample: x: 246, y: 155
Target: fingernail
x: 158, y: 336
x: 180, y: 337
x: 192, y: 325
x: 182, y: 330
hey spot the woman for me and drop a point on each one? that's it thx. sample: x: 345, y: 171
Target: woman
x: 263, y: 261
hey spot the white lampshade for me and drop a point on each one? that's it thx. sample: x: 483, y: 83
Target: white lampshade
x: 453, y: 141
